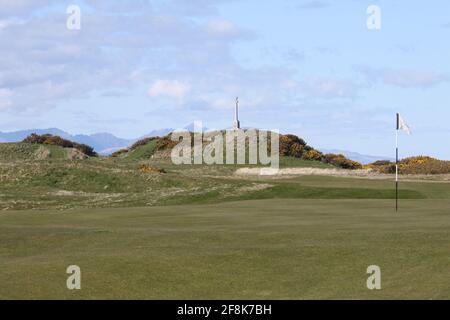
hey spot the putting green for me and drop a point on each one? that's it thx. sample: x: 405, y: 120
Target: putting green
x: 257, y: 249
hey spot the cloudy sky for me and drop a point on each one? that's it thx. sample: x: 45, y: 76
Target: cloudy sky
x: 312, y: 68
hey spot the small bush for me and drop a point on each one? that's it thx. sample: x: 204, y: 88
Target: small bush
x: 413, y: 165
x: 382, y: 163
x: 167, y: 143
x: 424, y: 165
x: 145, y: 168
x: 296, y: 150
x: 58, y: 141
x: 313, y: 155
x: 119, y: 152
x: 341, y: 161
x: 291, y: 145
x: 382, y: 166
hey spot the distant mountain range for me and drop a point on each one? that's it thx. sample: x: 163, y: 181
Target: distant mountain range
x: 106, y: 143
x: 103, y: 143
x: 361, y: 158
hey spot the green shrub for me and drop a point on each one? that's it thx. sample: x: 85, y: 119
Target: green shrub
x: 58, y: 141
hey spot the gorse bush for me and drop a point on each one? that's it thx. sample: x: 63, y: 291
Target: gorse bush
x: 313, y: 155
x: 145, y: 168
x: 297, y: 150
x: 166, y: 142
x: 58, y: 141
x: 424, y: 165
x: 291, y: 145
x: 119, y: 152
x: 341, y: 161
x: 413, y: 165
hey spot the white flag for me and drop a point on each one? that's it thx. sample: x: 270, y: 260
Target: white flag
x: 401, y: 125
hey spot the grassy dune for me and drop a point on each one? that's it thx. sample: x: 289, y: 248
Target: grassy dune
x: 142, y: 152
x: 109, y: 182
x: 17, y: 151
x: 13, y: 152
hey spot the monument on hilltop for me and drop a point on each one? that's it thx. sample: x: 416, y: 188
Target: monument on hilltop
x: 236, y: 123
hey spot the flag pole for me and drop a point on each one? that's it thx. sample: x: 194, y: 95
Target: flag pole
x: 396, y: 163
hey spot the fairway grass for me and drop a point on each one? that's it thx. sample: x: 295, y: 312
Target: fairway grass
x: 255, y: 249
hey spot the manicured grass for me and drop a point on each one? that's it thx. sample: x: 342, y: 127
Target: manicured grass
x: 260, y: 249
x: 296, y: 191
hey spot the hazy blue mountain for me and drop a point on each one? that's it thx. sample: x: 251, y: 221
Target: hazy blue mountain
x: 355, y: 156
x: 158, y: 133
x: 103, y: 143
x: 106, y: 143
x: 191, y: 127
x: 20, y: 135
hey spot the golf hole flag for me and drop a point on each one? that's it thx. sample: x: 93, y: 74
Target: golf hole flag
x: 401, y: 125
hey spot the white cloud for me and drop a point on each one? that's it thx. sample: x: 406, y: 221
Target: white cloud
x: 406, y: 78
x: 330, y: 88
x: 5, y: 98
x: 5, y: 93
x: 125, y: 50
x: 222, y: 27
x: 169, y: 88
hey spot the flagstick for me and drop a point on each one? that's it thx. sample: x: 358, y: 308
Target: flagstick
x: 396, y: 172
x: 396, y: 164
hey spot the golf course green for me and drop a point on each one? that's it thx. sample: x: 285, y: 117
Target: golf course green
x: 256, y: 249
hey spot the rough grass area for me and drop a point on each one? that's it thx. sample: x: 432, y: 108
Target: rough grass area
x: 263, y: 249
x: 13, y: 152
x: 17, y: 151
x: 57, y: 152
x: 112, y: 182
x: 142, y: 152
x: 292, y: 162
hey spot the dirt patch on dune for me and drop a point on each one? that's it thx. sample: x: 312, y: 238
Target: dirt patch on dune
x: 42, y: 153
x: 75, y: 154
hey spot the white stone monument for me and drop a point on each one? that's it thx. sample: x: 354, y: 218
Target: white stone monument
x: 236, y: 123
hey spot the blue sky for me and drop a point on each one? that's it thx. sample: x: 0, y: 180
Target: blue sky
x: 312, y: 68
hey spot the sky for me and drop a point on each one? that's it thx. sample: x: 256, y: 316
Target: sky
x: 308, y: 67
